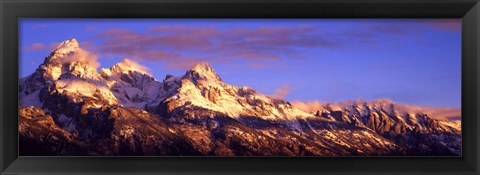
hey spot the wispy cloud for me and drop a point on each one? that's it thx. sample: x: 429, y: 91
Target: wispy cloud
x: 35, y: 47
x: 82, y: 56
x: 281, y: 92
x: 177, y: 44
x: 450, y: 25
x: 181, y: 46
x: 132, y: 65
x: 376, y: 34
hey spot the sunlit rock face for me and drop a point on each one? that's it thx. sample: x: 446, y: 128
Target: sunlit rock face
x: 68, y: 108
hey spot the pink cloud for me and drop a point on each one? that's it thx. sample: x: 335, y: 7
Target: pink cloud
x: 35, y: 47
x: 278, y: 39
x: 272, y: 31
x: 281, y: 92
x: 180, y: 45
x: 402, y: 27
x: 203, y: 32
x: 308, y: 106
x: 116, y: 32
x: 175, y: 44
x: 249, y: 55
x: 132, y: 65
x: 186, y: 64
x: 389, y: 29
x: 453, y: 25
x: 137, y: 53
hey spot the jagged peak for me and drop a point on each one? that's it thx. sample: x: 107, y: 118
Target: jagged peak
x: 69, y: 51
x: 70, y: 60
x: 127, y: 65
x: 202, y: 71
x: 67, y: 46
x: 71, y: 42
x: 202, y: 67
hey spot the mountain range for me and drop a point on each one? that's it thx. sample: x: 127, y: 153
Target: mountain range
x: 68, y: 108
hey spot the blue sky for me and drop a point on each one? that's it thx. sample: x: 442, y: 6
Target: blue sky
x: 413, y: 61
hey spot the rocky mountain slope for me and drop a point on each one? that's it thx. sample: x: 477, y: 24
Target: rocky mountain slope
x: 67, y: 107
x: 441, y: 113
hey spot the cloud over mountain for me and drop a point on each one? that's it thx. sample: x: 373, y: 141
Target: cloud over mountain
x: 196, y: 44
x: 281, y: 92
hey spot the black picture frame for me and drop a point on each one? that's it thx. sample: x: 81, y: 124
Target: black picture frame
x: 12, y: 10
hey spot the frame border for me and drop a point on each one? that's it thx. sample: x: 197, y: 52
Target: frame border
x: 12, y: 10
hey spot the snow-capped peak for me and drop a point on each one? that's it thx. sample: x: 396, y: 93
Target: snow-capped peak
x: 70, y: 60
x: 202, y: 67
x: 132, y: 84
x: 126, y: 66
x: 69, y: 51
x: 202, y: 71
x: 63, y: 49
x: 67, y: 45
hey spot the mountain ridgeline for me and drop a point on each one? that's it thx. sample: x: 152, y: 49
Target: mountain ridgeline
x: 69, y: 108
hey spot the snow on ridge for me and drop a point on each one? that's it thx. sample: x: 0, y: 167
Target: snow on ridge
x: 202, y: 87
x: 86, y: 89
x: 67, y: 54
x: 131, y: 85
x: 202, y: 71
x: 136, y: 90
x: 388, y: 105
x: 67, y: 46
x: 125, y: 66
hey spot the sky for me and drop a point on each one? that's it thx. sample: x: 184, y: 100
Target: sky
x: 412, y: 61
